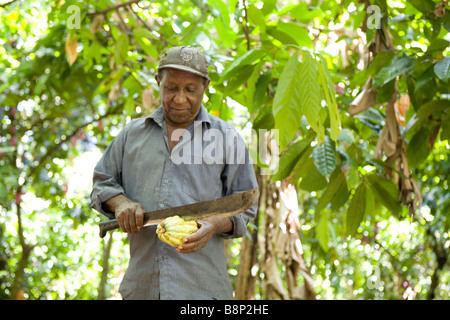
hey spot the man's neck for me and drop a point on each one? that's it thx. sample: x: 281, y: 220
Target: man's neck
x: 171, y: 128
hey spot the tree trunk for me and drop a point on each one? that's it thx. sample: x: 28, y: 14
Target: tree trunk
x: 283, y: 246
x: 16, y: 290
x: 272, y: 277
x: 105, y: 270
x: 245, y: 283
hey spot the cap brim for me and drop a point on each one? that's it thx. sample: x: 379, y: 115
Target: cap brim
x: 184, y: 68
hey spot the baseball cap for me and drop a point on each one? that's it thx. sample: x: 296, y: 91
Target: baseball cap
x: 185, y: 58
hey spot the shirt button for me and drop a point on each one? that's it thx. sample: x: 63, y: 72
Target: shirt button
x: 161, y: 205
x: 166, y: 181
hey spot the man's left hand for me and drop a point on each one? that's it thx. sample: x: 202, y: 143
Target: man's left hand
x: 207, y: 229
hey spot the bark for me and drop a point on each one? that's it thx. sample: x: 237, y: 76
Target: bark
x: 283, y: 246
x: 272, y: 277
x: 246, y: 279
x: 105, y: 270
x: 16, y: 289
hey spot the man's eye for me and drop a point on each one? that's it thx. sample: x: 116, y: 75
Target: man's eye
x: 171, y: 88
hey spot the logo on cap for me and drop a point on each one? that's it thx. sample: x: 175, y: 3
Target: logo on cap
x: 186, y: 54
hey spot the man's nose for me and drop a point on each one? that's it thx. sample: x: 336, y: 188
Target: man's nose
x: 180, y: 97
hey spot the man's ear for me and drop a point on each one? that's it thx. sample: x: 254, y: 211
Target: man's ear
x: 206, y: 84
x: 157, y: 79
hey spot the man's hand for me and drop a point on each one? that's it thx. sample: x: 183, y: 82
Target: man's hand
x: 129, y: 214
x: 208, y: 228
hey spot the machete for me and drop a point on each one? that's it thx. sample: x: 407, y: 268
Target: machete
x: 217, y: 208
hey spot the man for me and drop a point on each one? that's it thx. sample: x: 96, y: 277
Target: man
x: 169, y: 159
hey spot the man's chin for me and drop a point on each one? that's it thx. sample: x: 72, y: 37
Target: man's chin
x: 180, y: 116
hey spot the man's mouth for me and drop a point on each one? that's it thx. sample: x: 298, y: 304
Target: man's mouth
x: 177, y: 109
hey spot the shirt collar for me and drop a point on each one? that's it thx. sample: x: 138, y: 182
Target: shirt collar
x: 158, y: 116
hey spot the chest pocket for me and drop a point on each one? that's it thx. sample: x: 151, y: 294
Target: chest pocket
x: 202, y: 182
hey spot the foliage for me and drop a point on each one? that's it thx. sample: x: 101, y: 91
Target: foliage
x: 361, y: 105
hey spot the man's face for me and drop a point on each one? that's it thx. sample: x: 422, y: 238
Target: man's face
x: 181, y: 96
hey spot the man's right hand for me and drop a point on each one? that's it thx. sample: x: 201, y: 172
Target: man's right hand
x: 129, y: 214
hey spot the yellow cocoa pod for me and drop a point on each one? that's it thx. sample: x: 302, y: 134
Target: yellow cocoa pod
x: 173, y: 230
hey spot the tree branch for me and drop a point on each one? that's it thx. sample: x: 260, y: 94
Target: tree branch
x: 4, y: 5
x: 113, y: 8
x: 245, y: 25
x: 146, y: 25
x: 56, y: 146
x: 196, y: 24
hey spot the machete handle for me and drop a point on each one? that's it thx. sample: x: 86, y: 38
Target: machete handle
x: 108, y: 225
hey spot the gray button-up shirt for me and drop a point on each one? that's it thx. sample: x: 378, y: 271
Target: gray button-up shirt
x: 210, y: 161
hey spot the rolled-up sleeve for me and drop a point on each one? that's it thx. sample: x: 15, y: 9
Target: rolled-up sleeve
x: 238, y: 178
x: 107, y: 182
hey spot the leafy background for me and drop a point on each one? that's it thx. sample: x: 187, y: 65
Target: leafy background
x: 359, y: 206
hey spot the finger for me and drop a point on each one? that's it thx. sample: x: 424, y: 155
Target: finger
x: 188, y: 247
x: 193, y: 237
x: 132, y: 222
x: 194, y: 242
x: 139, y: 217
x: 123, y: 221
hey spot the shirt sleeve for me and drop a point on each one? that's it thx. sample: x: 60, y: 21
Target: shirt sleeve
x: 239, y: 177
x: 107, y: 181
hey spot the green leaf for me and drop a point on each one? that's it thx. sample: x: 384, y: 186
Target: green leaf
x: 356, y: 209
x: 385, y: 192
x: 269, y: 6
x: 251, y: 86
x: 312, y: 179
x: 304, y: 12
x: 256, y: 17
x: 121, y: 49
x: 291, y: 156
x: 445, y: 133
x: 442, y: 69
x: 281, y: 36
x: 330, y: 92
x: 264, y: 118
x: 110, y: 81
x: 418, y: 148
x: 432, y: 108
x: 324, y: 156
x: 222, y: 23
x: 385, y: 92
x: 309, y: 94
x: 299, y: 33
x: 337, y: 183
x: 238, y: 64
x: 286, y: 107
x: 261, y: 88
x: 129, y: 106
x: 438, y: 45
x: 424, y: 6
x: 398, y: 66
x: 381, y: 59
x: 142, y: 37
x: 322, y: 232
x: 370, y: 203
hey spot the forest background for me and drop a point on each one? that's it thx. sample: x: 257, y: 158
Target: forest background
x: 354, y: 197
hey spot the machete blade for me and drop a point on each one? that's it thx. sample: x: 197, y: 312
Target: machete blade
x: 217, y: 208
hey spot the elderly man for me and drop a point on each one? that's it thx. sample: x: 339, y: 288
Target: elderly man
x: 141, y: 171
